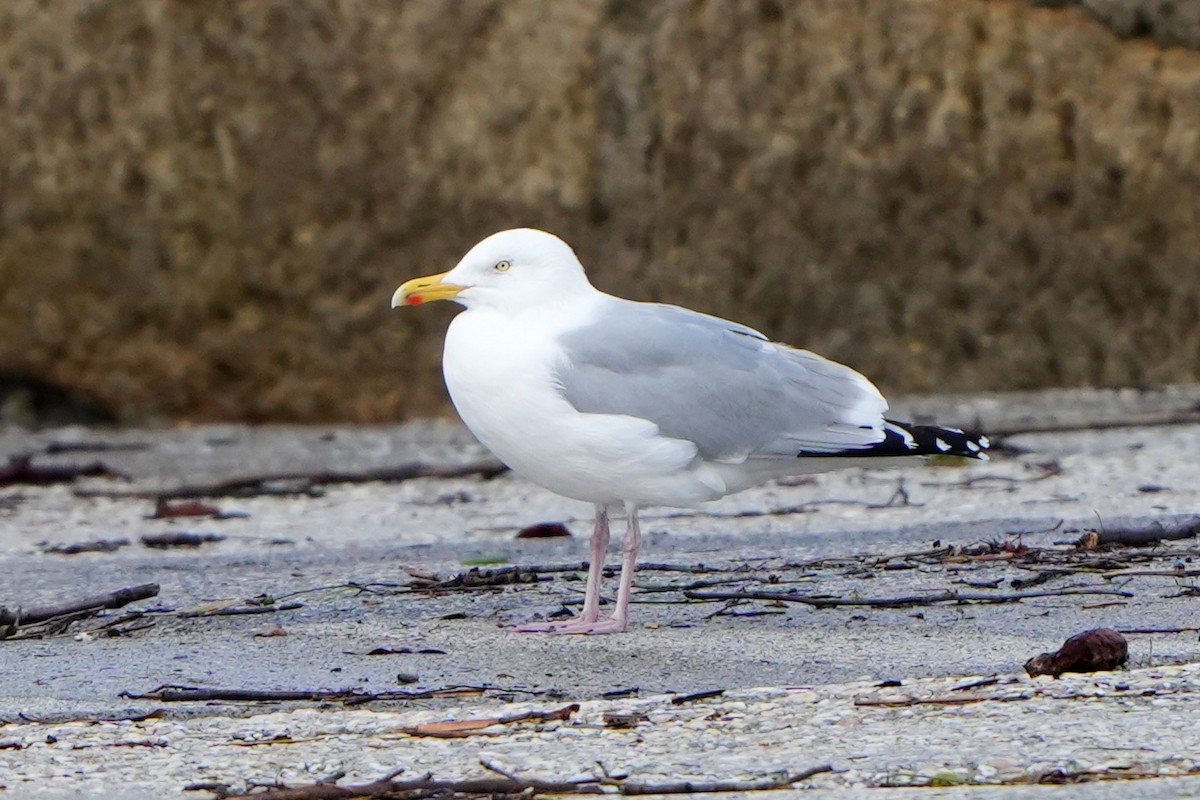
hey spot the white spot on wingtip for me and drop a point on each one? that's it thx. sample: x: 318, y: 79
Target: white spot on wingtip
x: 984, y: 442
x: 974, y: 448
x: 941, y: 445
x: 909, y: 441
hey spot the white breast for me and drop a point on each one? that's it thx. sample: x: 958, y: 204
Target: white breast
x: 500, y: 372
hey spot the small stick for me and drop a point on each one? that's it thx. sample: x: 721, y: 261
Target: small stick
x: 506, y: 783
x: 941, y: 701
x: 1040, y: 578
x: 299, y: 483
x: 236, y: 611
x: 892, y: 602
x: 172, y: 693
x: 628, y: 787
x: 1155, y: 532
x: 14, y: 618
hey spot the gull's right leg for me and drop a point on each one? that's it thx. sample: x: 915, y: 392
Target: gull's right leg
x: 598, y: 548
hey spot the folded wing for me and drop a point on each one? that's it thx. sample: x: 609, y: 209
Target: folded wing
x: 720, y: 385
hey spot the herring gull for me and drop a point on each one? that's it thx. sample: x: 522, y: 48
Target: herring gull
x: 627, y: 405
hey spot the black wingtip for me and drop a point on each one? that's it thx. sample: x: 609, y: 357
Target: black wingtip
x: 933, y: 440
x: 907, y: 439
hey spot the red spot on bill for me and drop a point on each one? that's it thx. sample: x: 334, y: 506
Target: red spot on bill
x: 415, y: 300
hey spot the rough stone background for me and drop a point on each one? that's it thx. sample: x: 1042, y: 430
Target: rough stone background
x: 204, y: 207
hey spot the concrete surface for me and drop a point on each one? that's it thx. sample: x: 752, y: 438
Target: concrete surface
x: 1058, y: 484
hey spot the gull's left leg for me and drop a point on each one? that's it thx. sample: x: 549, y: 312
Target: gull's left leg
x: 629, y: 551
x: 591, y: 599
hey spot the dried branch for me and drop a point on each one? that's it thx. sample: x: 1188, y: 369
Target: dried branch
x: 173, y: 693
x: 480, y: 577
x: 781, y: 781
x: 75, y: 548
x: 694, y: 696
x: 12, y: 620
x: 945, y: 596
x: 56, y: 447
x: 240, y: 610
x: 162, y: 541
x: 1156, y: 531
x: 306, y: 483
x: 1150, y: 573
x: 425, y: 786
x: 901, y: 702
x: 508, y: 784
x: 1039, y: 578
x: 21, y: 470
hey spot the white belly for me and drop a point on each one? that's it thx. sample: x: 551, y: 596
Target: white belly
x: 501, y: 379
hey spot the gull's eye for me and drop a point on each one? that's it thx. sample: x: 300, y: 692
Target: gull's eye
x: 503, y: 266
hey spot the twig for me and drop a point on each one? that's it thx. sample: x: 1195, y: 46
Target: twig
x: 478, y: 577
x: 236, y: 611
x: 303, y: 483
x: 701, y: 584
x: 56, y: 447
x: 940, y: 701
x: 628, y: 787
x: 945, y: 596
x: 178, y: 694
x: 21, y: 470
x: 1040, y: 578
x: 1150, y: 573
x: 694, y: 696
x: 11, y: 620
x: 427, y: 785
x: 161, y: 541
x: 491, y: 767
x: 173, y: 693
x: 507, y: 783
x: 1155, y: 532
x: 94, y: 546
x: 64, y: 719
x: 373, y: 587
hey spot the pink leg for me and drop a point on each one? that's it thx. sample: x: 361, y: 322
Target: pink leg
x: 629, y: 552
x: 619, y: 621
x: 591, y: 599
x: 599, y: 550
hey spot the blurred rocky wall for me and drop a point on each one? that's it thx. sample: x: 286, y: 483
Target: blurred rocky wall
x: 205, y: 206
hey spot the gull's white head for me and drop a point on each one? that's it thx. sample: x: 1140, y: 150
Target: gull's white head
x: 513, y: 269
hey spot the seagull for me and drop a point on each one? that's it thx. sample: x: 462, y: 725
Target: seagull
x: 627, y: 405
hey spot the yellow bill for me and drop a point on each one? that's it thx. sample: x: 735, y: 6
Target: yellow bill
x: 423, y: 290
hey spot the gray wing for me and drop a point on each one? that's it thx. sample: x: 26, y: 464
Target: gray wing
x: 721, y: 385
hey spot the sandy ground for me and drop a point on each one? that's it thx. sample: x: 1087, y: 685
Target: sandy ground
x: 855, y: 534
